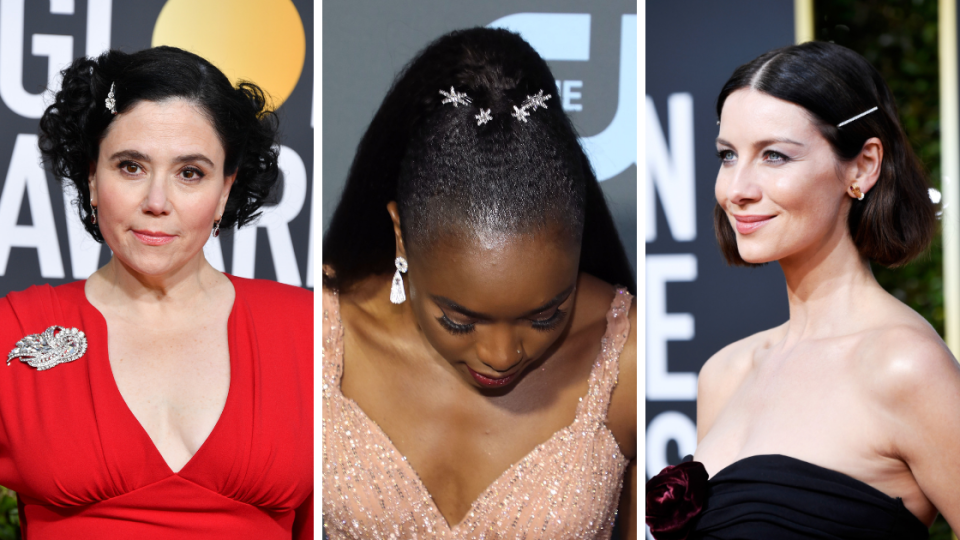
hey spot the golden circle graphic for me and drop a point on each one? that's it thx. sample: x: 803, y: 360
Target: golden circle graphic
x: 261, y: 41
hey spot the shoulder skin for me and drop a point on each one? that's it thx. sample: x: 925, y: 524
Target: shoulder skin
x: 724, y: 372
x: 914, y: 383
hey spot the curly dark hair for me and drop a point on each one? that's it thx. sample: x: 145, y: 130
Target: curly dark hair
x: 73, y: 126
x: 451, y: 173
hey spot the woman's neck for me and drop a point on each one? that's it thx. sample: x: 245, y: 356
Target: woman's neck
x: 827, y: 289
x: 182, y: 285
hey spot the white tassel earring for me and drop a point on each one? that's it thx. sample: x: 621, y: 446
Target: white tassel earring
x: 397, y: 296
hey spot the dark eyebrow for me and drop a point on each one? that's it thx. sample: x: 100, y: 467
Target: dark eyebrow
x: 133, y: 154
x: 555, y: 301
x: 130, y: 154
x: 195, y: 157
x: 781, y: 140
x: 760, y: 144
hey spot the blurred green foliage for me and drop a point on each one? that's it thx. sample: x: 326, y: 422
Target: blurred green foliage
x: 899, y: 37
x: 9, y: 516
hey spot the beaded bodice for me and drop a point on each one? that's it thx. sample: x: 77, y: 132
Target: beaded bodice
x: 567, y: 487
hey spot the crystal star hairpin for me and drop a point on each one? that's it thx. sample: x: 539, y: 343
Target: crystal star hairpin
x: 532, y: 103
x: 111, y: 102
x: 48, y: 349
x: 457, y: 98
x: 538, y: 100
x: 483, y: 117
x: 520, y: 113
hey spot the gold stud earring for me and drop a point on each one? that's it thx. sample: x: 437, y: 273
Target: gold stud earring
x: 856, y: 192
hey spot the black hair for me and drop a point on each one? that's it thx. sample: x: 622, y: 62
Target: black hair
x: 73, y: 126
x: 450, y: 175
x: 896, y: 220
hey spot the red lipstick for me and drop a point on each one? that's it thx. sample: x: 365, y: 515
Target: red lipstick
x: 492, y: 382
x: 748, y: 224
x: 154, y: 238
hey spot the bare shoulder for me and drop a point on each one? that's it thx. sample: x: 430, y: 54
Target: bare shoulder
x: 730, y: 365
x: 594, y: 299
x: 912, y: 383
x: 907, y: 363
x: 725, y: 371
x: 623, y: 403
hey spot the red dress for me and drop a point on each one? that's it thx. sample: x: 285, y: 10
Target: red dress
x: 83, y: 467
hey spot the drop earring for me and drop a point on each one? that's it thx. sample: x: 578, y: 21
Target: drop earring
x: 93, y: 215
x: 216, y: 228
x: 397, y: 296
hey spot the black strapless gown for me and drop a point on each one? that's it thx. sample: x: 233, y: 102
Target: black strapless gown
x: 778, y: 497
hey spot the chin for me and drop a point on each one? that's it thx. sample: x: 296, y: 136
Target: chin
x: 757, y: 256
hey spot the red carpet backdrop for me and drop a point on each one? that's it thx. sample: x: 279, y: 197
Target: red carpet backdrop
x: 695, y: 303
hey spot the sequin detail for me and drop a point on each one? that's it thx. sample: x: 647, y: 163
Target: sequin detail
x: 567, y: 487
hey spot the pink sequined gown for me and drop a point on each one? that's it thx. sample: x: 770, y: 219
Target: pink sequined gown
x: 566, y: 488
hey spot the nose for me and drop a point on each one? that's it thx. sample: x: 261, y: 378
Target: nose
x: 156, y: 201
x: 741, y: 185
x: 500, y: 350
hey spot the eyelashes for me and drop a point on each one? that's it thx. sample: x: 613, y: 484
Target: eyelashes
x: 195, y: 173
x: 541, y: 325
x: 770, y: 156
x: 188, y: 173
x: 722, y: 155
x: 545, y: 325
x: 455, y: 328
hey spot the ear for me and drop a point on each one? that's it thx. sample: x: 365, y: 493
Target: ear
x: 867, y: 166
x: 225, y: 194
x: 395, y: 217
x: 92, y: 183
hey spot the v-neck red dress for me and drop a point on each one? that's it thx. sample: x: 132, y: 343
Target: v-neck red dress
x: 83, y: 467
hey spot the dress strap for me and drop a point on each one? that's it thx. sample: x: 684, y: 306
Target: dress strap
x: 332, y: 352
x: 592, y: 410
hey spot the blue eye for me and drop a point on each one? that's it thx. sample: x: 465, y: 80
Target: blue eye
x: 775, y: 157
x: 725, y: 156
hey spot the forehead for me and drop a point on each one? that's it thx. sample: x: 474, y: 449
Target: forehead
x: 498, y: 273
x: 159, y: 129
x: 750, y: 115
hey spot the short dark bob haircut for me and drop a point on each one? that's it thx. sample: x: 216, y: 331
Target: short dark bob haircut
x: 452, y: 175
x: 73, y: 126
x: 896, y: 221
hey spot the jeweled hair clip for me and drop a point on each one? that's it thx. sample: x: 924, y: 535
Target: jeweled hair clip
x: 111, y: 102
x: 456, y: 98
x: 532, y: 103
x: 521, y: 113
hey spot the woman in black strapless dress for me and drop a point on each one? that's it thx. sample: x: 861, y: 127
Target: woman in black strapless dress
x: 843, y: 422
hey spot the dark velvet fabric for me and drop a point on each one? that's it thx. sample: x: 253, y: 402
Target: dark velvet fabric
x: 674, y: 498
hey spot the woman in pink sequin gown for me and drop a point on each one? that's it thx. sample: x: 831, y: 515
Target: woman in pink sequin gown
x: 497, y: 399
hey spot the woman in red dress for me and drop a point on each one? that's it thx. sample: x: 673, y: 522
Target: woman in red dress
x: 160, y: 398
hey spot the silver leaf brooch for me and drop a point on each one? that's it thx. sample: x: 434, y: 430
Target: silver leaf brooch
x: 50, y: 348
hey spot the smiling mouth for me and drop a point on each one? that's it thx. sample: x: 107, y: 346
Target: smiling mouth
x: 492, y: 382
x: 749, y: 224
x: 152, y: 238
